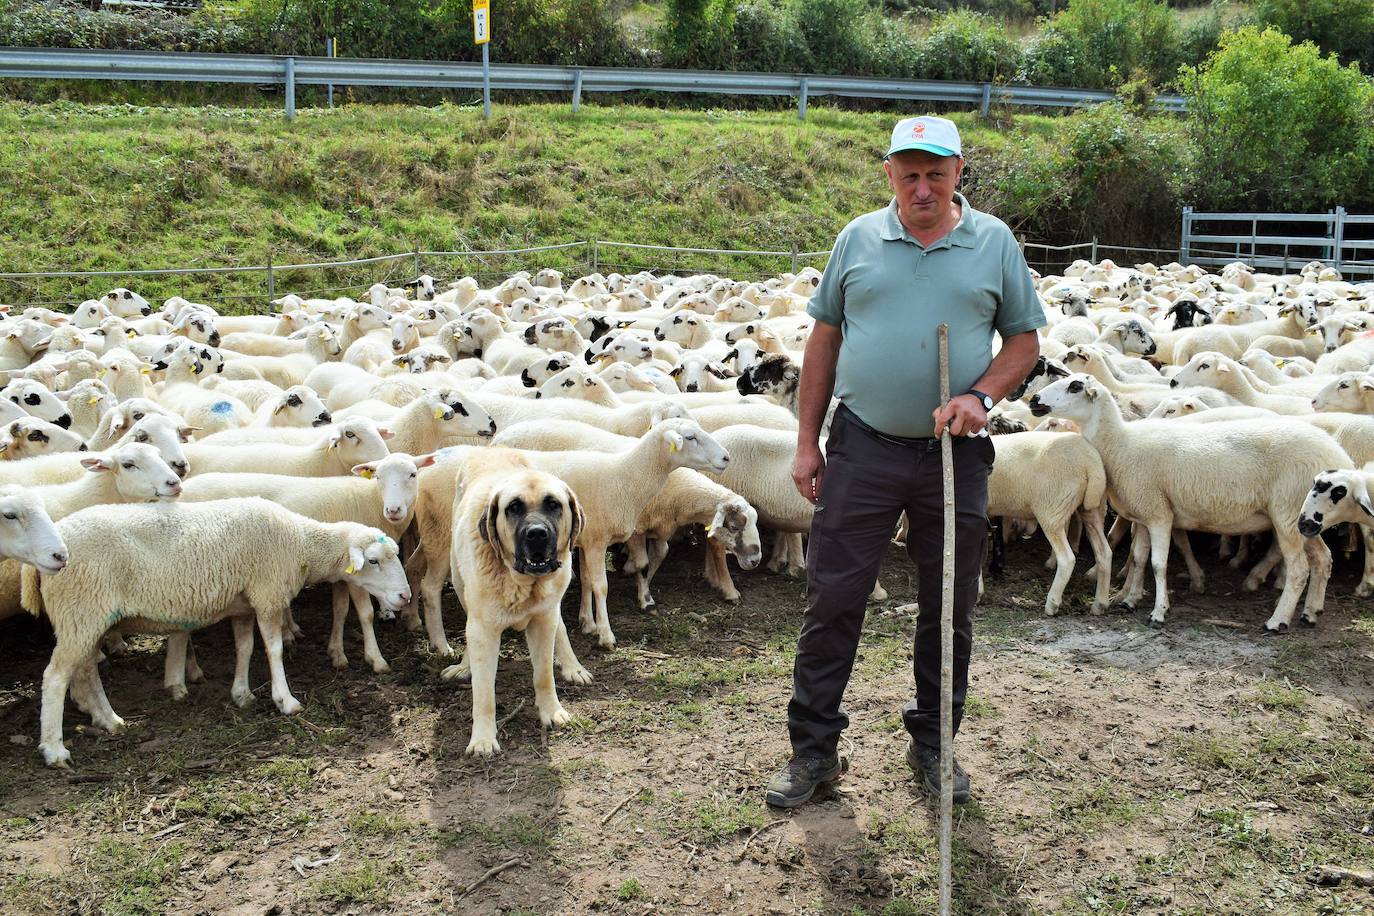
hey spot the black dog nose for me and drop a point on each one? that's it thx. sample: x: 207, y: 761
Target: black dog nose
x: 537, y: 535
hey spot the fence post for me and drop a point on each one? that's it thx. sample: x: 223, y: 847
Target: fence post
x: 271, y: 279
x: 290, y: 88
x: 794, y: 259
x: 577, y: 89
x: 802, y: 91
x: 986, y: 104
x: 417, y: 262
x: 1094, y: 250
x: 1185, y: 237
x: 596, y: 256
x: 1338, y: 240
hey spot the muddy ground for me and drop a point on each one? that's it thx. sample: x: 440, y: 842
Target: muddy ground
x: 1202, y: 768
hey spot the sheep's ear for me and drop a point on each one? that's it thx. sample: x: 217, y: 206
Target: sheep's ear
x: 1090, y: 391
x: 674, y: 438
x: 718, y: 370
x: 385, y: 433
x: 402, y: 360
x: 97, y: 463
x: 676, y: 372
x: 1223, y: 367
x: 1367, y: 384
x: 366, y: 471
x: 424, y: 461
x: 185, y: 433
x: 356, y: 560
x: 281, y: 405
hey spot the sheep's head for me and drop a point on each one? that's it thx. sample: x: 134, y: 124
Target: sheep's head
x: 126, y: 303
x: 539, y: 371
x: 775, y: 375
x: 372, y: 562
x: 1336, y: 496
x: 456, y: 415
x: 35, y: 399
x: 1346, y: 393
x: 1073, y: 397
x: 735, y: 526
x: 30, y: 436
x: 398, y: 482
x: 27, y: 532
x: 140, y: 474
x: 1044, y: 371
x: 690, y: 446
x: 1207, y: 368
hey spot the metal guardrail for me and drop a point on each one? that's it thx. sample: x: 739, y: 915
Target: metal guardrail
x: 35, y: 63
x: 1332, y: 247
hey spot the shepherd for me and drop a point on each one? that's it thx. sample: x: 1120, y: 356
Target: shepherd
x: 927, y: 258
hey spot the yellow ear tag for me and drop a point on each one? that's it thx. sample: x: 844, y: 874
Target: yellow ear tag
x: 351, y: 569
x: 366, y: 473
x: 131, y: 333
x: 672, y: 446
x: 145, y: 370
x: 438, y: 413
x: 93, y: 401
x: 709, y: 529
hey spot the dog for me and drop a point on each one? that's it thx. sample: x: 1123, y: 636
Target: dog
x: 511, y: 556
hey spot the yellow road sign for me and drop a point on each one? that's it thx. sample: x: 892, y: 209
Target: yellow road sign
x: 481, y: 21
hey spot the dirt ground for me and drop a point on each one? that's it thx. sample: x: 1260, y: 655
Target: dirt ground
x: 1202, y: 768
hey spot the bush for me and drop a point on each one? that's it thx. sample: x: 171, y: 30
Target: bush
x: 1279, y: 126
x: 1096, y: 44
x: 1201, y: 35
x: 768, y: 39
x: 968, y: 46
x: 836, y: 31
x: 1342, y: 27
x: 65, y: 24
x: 698, y: 34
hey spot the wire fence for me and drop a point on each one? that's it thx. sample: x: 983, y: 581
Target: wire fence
x: 238, y: 289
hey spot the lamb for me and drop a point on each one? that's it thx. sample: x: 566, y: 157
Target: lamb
x: 688, y: 497
x: 1228, y: 478
x: 206, y: 410
x: 614, y: 489
x: 381, y: 494
x: 1216, y: 371
x: 174, y: 568
x: 1019, y: 488
x: 30, y: 437
x: 27, y: 533
x: 129, y: 473
x: 296, y: 406
x: 352, y: 442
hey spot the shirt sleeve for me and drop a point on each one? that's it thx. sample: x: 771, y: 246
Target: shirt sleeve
x: 827, y: 302
x: 1020, y: 309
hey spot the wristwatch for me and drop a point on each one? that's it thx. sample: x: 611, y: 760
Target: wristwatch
x: 986, y: 401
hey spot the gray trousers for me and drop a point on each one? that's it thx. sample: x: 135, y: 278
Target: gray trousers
x: 868, y: 483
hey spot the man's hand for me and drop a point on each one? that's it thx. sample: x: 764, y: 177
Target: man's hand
x: 807, y: 470
x: 964, y: 415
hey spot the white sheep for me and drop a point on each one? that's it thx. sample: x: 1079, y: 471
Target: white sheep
x: 27, y: 534
x: 1227, y: 478
x: 297, y: 406
x: 210, y: 411
x: 30, y: 437
x: 335, y: 452
x: 175, y: 568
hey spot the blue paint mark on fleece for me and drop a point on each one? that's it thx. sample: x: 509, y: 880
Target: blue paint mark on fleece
x: 221, y: 407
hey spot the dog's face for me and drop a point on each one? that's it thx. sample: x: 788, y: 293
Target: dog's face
x: 531, y: 522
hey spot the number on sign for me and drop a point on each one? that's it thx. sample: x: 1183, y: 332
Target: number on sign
x: 481, y: 21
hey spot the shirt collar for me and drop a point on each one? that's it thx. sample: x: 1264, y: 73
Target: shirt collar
x: 963, y: 234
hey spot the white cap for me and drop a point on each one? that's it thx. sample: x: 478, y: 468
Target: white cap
x: 934, y: 135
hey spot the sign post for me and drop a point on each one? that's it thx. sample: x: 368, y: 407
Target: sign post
x: 481, y: 34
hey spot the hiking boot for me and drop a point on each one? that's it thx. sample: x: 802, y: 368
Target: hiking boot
x: 795, y: 783
x: 925, y: 762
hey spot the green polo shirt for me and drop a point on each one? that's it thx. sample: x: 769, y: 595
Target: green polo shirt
x: 889, y: 294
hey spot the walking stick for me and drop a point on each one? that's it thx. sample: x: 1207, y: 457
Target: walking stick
x: 946, y: 648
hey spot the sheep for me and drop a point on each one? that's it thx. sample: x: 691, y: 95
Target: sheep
x: 27, y: 533
x: 88, y: 401
x: 252, y: 392
x: 174, y: 568
x: 119, y: 419
x: 1228, y: 478
x: 126, y: 303
x: 207, y: 410
x: 631, y: 420
x: 322, y: 348
x: 128, y: 473
x: 428, y: 421
x: 1356, y: 356
x: 30, y: 437
x: 688, y: 497
x: 776, y: 376
x: 37, y: 401
x: 577, y: 382
x: 1349, y: 392
x: 1216, y: 371
x: 380, y: 494
x: 1019, y: 488
x: 296, y: 406
x: 621, y: 377
x: 698, y: 372
x: 760, y: 471
x: 124, y: 373
x: 614, y: 489
x: 351, y: 442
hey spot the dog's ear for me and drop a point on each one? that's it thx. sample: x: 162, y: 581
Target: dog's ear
x: 576, y: 520
x: 486, y: 527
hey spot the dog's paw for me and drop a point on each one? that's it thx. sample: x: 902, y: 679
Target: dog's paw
x: 483, y: 747
x: 459, y: 672
x: 559, y: 716
x: 578, y: 675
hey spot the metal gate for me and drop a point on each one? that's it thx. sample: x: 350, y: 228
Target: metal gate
x: 1268, y: 240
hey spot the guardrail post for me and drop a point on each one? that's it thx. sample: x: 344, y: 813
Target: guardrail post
x: 1338, y: 238
x: 801, y: 98
x: 271, y: 280
x: 577, y: 89
x: 290, y: 88
x: 986, y: 104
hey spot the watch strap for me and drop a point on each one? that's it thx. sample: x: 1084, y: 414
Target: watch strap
x: 984, y: 399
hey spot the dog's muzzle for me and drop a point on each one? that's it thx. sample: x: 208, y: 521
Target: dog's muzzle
x: 536, y: 549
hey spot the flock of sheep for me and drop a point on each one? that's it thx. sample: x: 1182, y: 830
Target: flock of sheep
x: 176, y: 467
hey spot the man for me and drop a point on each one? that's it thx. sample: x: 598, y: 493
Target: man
x: 894, y: 276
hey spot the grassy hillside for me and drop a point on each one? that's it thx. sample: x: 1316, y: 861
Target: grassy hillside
x: 108, y: 188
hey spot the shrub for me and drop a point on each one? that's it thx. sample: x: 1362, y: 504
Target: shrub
x: 1097, y: 43
x: 65, y: 24
x: 768, y: 39
x: 1200, y: 36
x: 1342, y: 27
x: 1279, y: 126
x: 963, y: 45
x: 698, y: 34
x: 836, y: 32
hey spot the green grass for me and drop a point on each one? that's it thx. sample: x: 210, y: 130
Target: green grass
x: 630, y: 889
x: 114, y: 187
x: 716, y: 820
x: 371, y: 823
x: 135, y: 879
x: 371, y: 883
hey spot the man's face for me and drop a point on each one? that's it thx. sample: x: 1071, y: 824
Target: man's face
x: 923, y: 184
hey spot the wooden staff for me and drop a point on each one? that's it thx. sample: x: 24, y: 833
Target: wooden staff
x: 946, y: 649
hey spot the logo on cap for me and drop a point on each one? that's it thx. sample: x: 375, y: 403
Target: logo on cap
x: 918, y: 130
